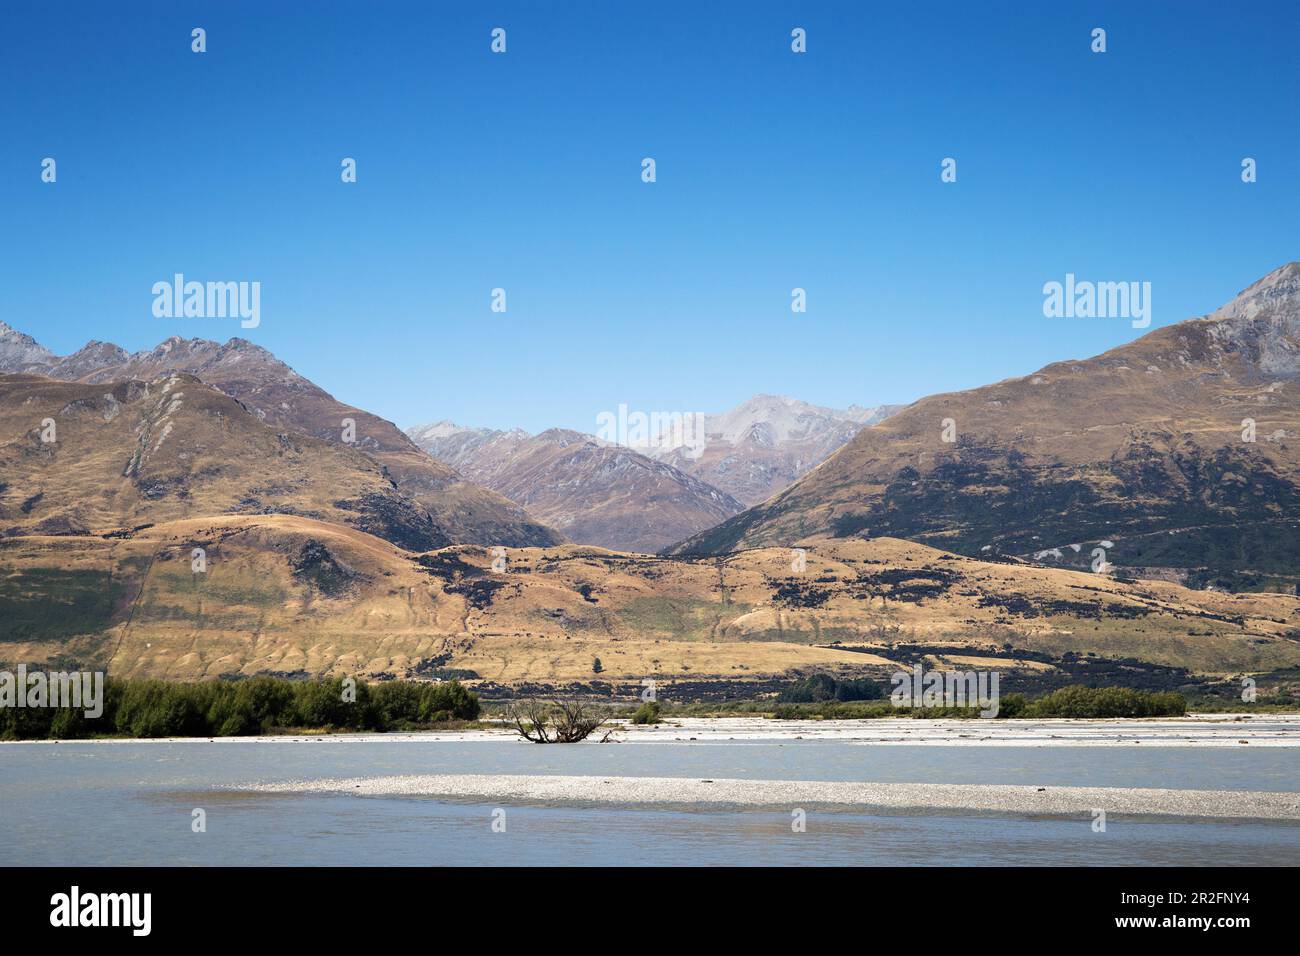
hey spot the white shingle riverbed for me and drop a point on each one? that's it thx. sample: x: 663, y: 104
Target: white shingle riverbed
x: 1197, y: 730
x: 811, y: 793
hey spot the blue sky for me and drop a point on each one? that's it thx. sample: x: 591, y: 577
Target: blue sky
x: 522, y: 171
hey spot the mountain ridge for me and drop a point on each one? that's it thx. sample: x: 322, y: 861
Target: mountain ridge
x: 94, y: 459
x: 760, y: 447
x: 273, y: 391
x: 1141, y: 446
x: 592, y: 491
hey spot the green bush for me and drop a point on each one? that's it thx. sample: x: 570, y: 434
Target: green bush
x: 1074, y: 701
x: 1011, y: 705
x: 647, y: 713
x: 398, y: 702
x: 1078, y: 701
x: 155, y: 708
x: 451, y: 698
x: 824, y: 687
x: 251, y: 706
x: 407, y: 704
x: 322, y: 704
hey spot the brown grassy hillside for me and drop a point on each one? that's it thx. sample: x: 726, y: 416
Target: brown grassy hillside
x: 1141, y: 446
x: 591, y: 491
x: 134, y: 453
x: 284, y: 594
x: 280, y: 396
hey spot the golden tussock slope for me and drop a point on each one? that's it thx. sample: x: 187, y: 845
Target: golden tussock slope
x: 285, y: 594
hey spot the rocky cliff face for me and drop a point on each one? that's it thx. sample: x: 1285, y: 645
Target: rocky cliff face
x: 1262, y: 324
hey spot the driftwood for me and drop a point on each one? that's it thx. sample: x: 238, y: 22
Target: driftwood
x: 559, y: 722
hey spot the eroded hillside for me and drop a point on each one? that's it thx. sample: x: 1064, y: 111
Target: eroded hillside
x: 290, y: 595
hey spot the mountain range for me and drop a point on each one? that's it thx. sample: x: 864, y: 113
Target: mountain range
x: 497, y: 488
x: 763, y: 445
x: 275, y: 394
x: 1177, y: 455
x: 1062, y: 523
x: 128, y: 454
x: 648, y: 498
x: 591, y: 491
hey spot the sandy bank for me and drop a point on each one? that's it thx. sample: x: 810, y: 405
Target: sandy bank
x: 789, y: 794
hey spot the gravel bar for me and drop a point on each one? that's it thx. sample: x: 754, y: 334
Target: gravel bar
x: 1199, y: 730
x: 1222, y: 804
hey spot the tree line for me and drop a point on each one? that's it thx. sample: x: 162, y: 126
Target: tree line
x: 256, y: 705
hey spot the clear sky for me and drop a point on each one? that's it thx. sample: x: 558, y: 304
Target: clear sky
x: 523, y: 171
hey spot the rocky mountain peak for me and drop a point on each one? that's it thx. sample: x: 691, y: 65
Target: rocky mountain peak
x: 90, y: 357
x: 765, y: 443
x: 565, y: 437
x: 436, y: 430
x: 19, y: 351
x: 1277, y: 292
x: 1262, y: 323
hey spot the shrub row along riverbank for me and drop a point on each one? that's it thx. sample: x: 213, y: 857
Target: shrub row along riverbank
x: 259, y: 705
x: 154, y: 708
x: 1075, y: 701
